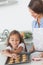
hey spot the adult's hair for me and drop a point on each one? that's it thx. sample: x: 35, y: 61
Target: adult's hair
x: 36, y: 6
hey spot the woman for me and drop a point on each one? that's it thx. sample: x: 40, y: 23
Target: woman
x: 36, y: 9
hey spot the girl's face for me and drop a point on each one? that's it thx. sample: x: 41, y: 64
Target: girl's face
x: 35, y: 15
x: 14, y: 40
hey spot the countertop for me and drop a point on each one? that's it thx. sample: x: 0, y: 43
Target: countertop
x: 4, y: 58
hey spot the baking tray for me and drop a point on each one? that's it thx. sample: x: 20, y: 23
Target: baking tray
x: 28, y: 59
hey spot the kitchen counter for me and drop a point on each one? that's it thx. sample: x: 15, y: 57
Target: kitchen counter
x: 4, y: 58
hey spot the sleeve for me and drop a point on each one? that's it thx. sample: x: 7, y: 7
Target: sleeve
x: 22, y: 45
x: 41, y: 23
x: 34, y: 24
x: 8, y: 48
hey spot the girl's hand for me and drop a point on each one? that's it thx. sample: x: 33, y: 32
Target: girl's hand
x: 3, y: 51
x: 15, y: 56
x: 6, y: 53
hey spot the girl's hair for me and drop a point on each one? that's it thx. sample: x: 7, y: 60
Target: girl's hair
x: 36, y: 6
x: 21, y: 38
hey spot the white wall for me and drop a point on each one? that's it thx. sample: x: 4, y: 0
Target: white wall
x: 16, y: 17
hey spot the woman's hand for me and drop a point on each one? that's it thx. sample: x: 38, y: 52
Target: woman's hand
x: 32, y: 49
x: 41, y: 55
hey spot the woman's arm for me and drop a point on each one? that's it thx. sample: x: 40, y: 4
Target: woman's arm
x: 32, y: 49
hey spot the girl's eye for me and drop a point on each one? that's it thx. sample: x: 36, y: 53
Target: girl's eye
x: 12, y: 40
x: 15, y: 40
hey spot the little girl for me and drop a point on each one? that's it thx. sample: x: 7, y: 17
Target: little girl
x: 15, y: 45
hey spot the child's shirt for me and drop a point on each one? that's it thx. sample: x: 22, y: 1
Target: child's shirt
x: 20, y: 45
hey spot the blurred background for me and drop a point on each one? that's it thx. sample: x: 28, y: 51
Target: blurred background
x: 15, y: 16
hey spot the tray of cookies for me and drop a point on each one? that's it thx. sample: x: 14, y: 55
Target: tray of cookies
x: 22, y: 58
